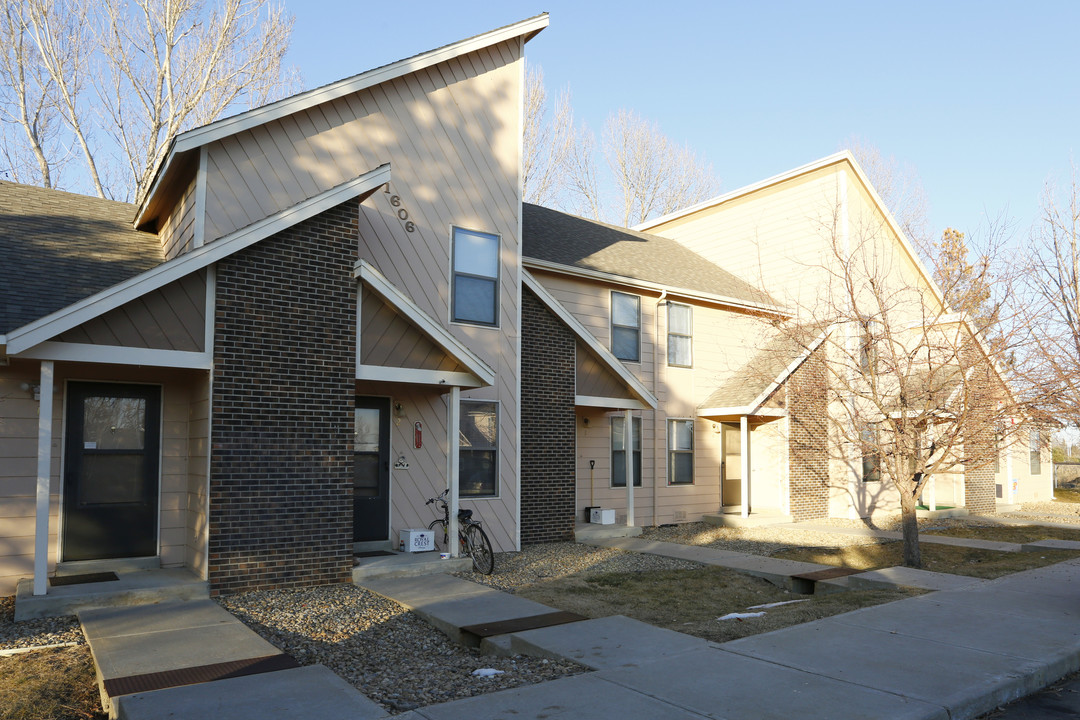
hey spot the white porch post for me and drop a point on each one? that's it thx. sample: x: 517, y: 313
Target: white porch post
x: 744, y: 432
x: 931, y: 500
x: 41, y: 516
x: 628, y: 456
x: 453, y: 427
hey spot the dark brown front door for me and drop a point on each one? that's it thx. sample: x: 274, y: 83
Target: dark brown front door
x: 112, y: 452
x: 371, y: 475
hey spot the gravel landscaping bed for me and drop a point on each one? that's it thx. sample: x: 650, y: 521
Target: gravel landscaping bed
x: 35, y: 633
x: 384, y: 651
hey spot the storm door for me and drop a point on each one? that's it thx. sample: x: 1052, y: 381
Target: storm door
x: 371, y: 473
x: 111, y: 460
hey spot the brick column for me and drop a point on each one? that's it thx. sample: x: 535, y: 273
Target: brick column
x: 283, y: 399
x: 808, y: 454
x: 979, y: 445
x: 548, y: 372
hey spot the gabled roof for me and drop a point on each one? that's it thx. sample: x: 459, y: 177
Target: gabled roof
x: 57, y: 248
x: 550, y: 236
x: 157, y: 276
x: 746, y: 390
x: 589, y: 340
x: 187, y: 142
x: 435, y: 332
x: 843, y: 156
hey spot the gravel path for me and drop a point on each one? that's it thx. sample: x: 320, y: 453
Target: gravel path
x: 35, y: 633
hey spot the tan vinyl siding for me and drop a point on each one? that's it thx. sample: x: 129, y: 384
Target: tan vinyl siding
x: 196, y: 501
x: 171, y: 318
x: 178, y: 231
x: 387, y: 339
x: 595, y: 379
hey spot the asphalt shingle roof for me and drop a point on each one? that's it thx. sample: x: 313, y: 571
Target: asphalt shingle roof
x: 57, y: 248
x: 747, y: 384
x: 558, y: 237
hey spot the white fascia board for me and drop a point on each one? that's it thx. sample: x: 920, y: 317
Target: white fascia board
x: 589, y: 339
x: 118, y: 355
x: 835, y: 158
x: 382, y: 287
x: 610, y: 402
x: 785, y: 374
x: 220, y: 129
x: 89, y: 308
x: 574, y: 271
x: 417, y: 376
x: 747, y: 410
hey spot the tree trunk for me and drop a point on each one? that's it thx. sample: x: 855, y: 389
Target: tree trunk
x: 910, y: 524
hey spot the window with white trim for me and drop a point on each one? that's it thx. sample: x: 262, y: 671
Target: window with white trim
x: 680, y: 335
x: 680, y: 452
x: 475, y: 292
x: 626, y: 326
x: 871, y: 456
x: 618, y: 451
x: 478, y: 451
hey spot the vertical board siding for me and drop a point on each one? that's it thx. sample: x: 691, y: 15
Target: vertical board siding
x: 170, y: 318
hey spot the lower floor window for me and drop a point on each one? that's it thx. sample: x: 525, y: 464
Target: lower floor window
x: 618, y: 451
x: 478, y: 452
x: 871, y: 456
x: 680, y: 452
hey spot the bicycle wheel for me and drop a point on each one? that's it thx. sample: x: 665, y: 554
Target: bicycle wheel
x: 483, y: 559
x: 440, y: 538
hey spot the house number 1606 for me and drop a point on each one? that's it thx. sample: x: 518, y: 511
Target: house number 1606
x: 402, y: 213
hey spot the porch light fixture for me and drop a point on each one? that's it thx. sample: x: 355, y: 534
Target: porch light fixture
x: 27, y: 387
x: 585, y: 422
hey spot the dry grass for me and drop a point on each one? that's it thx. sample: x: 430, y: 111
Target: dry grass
x: 1008, y: 533
x: 690, y: 601
x: 972, y: 562
x: 55, y: 684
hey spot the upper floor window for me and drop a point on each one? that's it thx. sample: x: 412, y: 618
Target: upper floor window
x: 626, y: 326
x: 475, y: 277
x: 680, y: 335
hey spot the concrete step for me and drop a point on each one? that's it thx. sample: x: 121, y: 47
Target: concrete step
x: 584, y: 532
x: 401, y: 564
x: 751, y: 520
x: 143, y: 587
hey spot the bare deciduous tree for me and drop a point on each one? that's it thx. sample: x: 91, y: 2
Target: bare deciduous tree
x: 899, y: 187
x: 121, y: 78
x: 913, y: 392
x: 547, y: 140
x: 1053, y: 303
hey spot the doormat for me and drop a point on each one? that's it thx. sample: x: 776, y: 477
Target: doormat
x: 82, y: 579
x: 374, y: 553
x: 193, y: 676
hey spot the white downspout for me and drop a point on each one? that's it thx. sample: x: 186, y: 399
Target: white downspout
x: 658, y: 453
x: 744, y: 431
x: 44, y: 471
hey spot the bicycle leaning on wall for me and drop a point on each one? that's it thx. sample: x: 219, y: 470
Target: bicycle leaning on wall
x: 472, y: 539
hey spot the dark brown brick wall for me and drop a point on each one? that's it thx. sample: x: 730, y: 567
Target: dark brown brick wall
x: 808, y: 453
x: 283, y: 399
x: 548, y: 370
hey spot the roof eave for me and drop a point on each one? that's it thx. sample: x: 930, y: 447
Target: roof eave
x: 220, y: 129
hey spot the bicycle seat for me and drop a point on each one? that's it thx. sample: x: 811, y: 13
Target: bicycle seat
x: 464, y: 514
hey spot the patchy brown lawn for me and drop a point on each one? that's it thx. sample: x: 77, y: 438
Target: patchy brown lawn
x: 690, y: 601
x: 56, y: 684
x: 972, y: 562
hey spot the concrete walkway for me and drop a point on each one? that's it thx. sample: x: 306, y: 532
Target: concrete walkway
x: 948, y: 655
x: 951, y: 654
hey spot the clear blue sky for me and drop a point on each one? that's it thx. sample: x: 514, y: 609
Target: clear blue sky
x: 982, y: 99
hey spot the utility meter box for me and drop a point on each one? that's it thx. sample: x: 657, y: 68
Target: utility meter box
x: 417, y: 540
x: 603, y: 516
